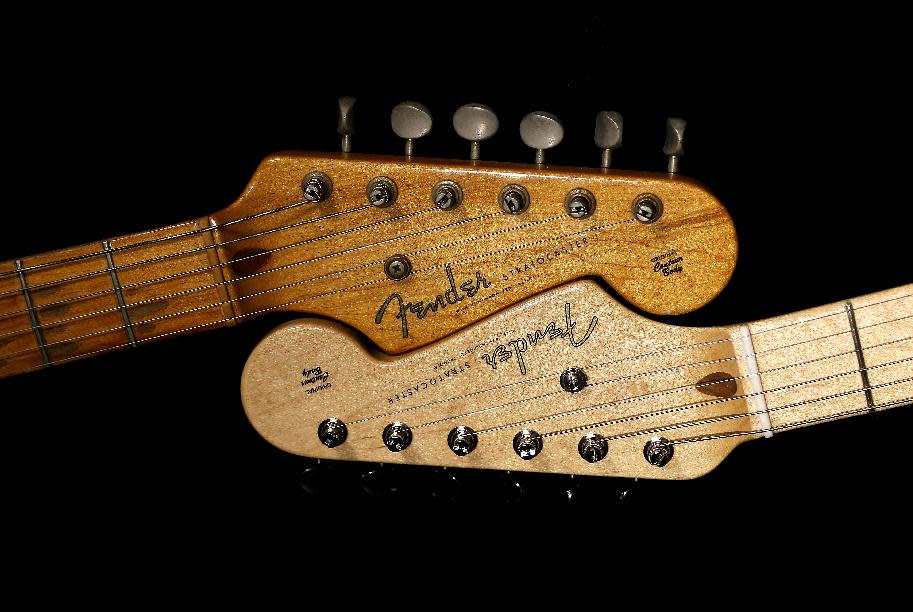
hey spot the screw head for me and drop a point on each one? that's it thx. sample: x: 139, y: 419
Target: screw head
x: 580, y: 203
x: 527, y: 444
x: 397, y: 436
x: 593, y: 447
x: 573, y: 380
x: 382, y: 192
x: 397, y: 267
x: 447, y: 195
x: 462, y: 440
x: 514, y: 199
x: 316, y: 187
x: 658, y: 451
x: 332, y: 432
x: 647, y: 208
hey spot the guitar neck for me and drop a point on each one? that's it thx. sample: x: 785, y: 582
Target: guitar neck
x: 108, y: 295
x: 832, y: 362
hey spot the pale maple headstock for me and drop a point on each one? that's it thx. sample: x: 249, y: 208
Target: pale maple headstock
x: 504, y: 375
x: 470, y: 260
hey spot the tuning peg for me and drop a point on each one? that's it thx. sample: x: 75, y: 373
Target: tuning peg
x: 674, y: 147
x: 608, y: 134
x: 346, y: 126
x: 475, y: 123
x: 410, y: 120
x: 540, y: 130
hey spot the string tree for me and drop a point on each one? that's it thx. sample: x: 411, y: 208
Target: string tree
x: 475, y: 123
x: 608, y: 134
x: 540, y: 130
x: 346, y: 126
x: 410, y: 120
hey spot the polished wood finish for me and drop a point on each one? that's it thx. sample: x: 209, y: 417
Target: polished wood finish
x: 328, y: 258
x: 690, y: 385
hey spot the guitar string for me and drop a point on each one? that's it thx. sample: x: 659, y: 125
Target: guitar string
x: 284, y: 305
x: 842, y: 311
x: 280, y: 268
x: 811, y: 421
x: 652, y: 394
x: 151, y: 241
x: 215, y: 245
x: 637, y: 357
x: 698, y: 405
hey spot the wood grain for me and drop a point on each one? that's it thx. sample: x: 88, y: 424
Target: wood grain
x: 327, y: 258
x: 645, y: 379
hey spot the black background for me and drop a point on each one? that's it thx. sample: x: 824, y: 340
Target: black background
x: 119, y: 129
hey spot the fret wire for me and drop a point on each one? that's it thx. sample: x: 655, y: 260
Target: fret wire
x: 860, y: 358
x: 128, y: 326
x: 36, y: 325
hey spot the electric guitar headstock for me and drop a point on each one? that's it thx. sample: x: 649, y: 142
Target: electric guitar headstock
x: 406, y: 250
x: 572, y: 382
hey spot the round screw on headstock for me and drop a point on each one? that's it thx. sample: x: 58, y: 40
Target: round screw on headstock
x: 540, y: 131
x: 346, y: 126
x: 410, y: 120
x: 608, y: 134
x: 675, y: 138
x: 475, y: 123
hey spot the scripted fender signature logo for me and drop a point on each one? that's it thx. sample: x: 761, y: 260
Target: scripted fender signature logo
x: 551, y: 331
x: 451, y: 296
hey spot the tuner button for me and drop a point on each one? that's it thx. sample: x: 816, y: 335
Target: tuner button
x: 540, y: 130
x: 332, y: 432
x: 658, y: 451
x: 608, y: 134
x: 346, y: 127
x: 674, y: 147
x: 527, y: 444
x: 316, y: 187
x: 475, y: 123
x: 410, y: 120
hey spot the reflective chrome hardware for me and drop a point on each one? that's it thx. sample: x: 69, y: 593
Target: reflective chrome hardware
x: 658, y: 451
x: 675, y: 138
x: 346, y: 126
x: 514, y: 199
x: 475, y: 123
x: 316, y: 187
x: 332, y: 432
x: 410, y: 120
x: 527, y: 444
x: 593, y: 447
x: 647, y: 208
x: 462, y: 440
x: 397, y: 436
x: 580, y: 203
x: 447, y: 195
x: 397, y: 267
x: 573, y: 380
x: 382, y: 192
x: 540, y: 130
x: 608, y: 134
